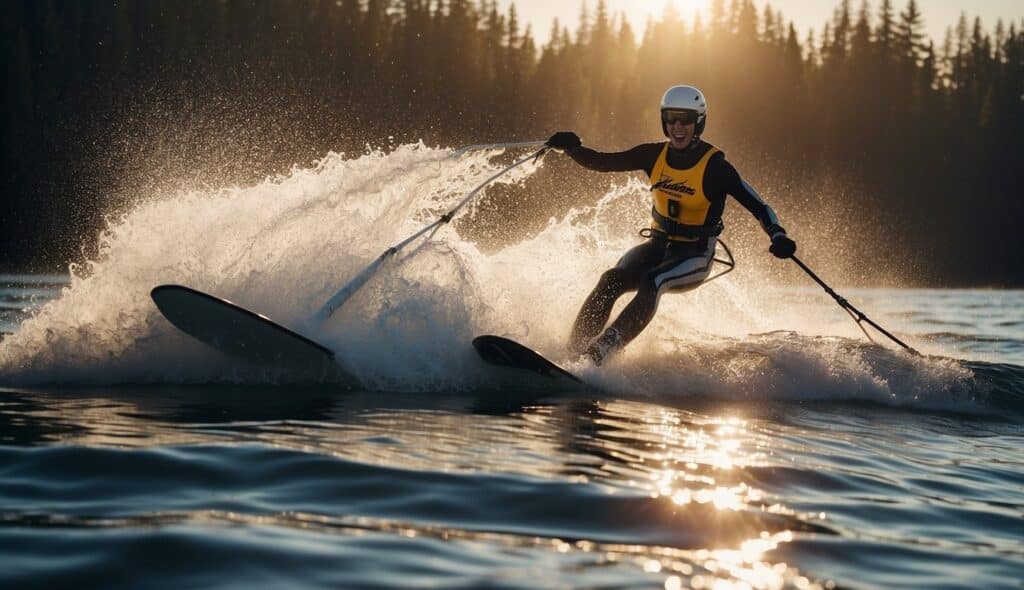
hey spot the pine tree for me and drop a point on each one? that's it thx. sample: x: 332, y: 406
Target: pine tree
x: 885, y: 33
x: 840, y: 35
x: 860, y: 42
x: 946, y: 60
x: 909, y: 38
x: 769, y: 34
x: 746, y: 22
x: 583, y: 30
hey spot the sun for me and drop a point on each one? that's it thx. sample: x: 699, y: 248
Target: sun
x: 689, y: 7
x: 640, y: 10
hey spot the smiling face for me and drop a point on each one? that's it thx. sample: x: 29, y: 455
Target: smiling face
x: 680, y: 134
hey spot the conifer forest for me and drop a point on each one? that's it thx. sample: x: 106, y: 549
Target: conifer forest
x: 863, y: 131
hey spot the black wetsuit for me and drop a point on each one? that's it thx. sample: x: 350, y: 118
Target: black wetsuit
x: 720, y: 177
x: 660, y: 264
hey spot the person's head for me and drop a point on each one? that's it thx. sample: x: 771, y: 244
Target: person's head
x: 684, y: 114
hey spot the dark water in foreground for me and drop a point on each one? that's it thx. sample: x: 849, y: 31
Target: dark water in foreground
x: 866, y: 474
x: 233, y: 488
x: 241, y: 487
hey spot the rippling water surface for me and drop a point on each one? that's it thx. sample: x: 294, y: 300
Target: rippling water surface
x: 751, y: 438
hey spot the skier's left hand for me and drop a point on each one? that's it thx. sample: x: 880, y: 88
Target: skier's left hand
x: 782, y: 246
x: 565, y: 141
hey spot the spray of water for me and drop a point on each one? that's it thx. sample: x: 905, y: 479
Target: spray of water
x: 283, y: 246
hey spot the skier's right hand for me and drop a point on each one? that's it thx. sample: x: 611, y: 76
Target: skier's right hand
x: 782, y: 246
x: 565, y: 141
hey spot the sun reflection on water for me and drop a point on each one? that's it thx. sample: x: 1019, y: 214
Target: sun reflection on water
x: 699, y: 460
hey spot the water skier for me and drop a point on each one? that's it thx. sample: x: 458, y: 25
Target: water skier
x: 690, y: 179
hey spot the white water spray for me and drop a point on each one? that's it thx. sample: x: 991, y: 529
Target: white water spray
x: 282, y: 247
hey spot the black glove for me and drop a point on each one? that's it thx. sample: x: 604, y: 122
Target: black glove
x: 565, y: 141
x: 782, y: 246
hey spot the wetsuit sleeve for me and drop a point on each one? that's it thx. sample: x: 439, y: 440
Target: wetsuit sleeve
x: 642, y: 157
x: 728, y: 181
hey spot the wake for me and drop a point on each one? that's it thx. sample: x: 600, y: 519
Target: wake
x: 284, y: 246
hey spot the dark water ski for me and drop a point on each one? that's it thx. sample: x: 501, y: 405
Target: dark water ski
x: 234, y: 330
x: 509, y: 353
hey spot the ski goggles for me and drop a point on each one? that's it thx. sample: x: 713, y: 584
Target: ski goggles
x: 684, y: 117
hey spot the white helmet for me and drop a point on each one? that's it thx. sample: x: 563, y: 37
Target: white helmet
x: 685, y: 98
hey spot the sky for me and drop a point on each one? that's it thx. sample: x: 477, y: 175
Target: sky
x: 805, y: 14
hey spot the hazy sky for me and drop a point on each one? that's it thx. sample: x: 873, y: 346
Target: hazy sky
x: 938, y: 14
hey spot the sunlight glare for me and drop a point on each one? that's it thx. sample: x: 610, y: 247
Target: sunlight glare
x: 640, y: 11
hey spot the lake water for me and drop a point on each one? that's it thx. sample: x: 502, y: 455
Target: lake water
x: 727, y: 448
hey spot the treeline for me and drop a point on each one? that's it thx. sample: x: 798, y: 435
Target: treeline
x: 107, y: 98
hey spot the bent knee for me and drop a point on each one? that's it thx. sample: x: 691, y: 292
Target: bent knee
x: 613, y: 280
x: 649, y: 287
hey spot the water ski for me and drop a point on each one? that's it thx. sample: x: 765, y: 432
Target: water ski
x: 237, y: 331
x: 509, y: 353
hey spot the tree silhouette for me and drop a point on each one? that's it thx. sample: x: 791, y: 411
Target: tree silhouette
x: 102, y: 98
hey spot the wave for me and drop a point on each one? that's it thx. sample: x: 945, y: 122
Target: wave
x: 790, y: 366
x: 516, y: 504
x: 971, y: 338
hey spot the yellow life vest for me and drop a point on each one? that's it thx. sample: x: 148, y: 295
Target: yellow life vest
x: 680, y: 204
